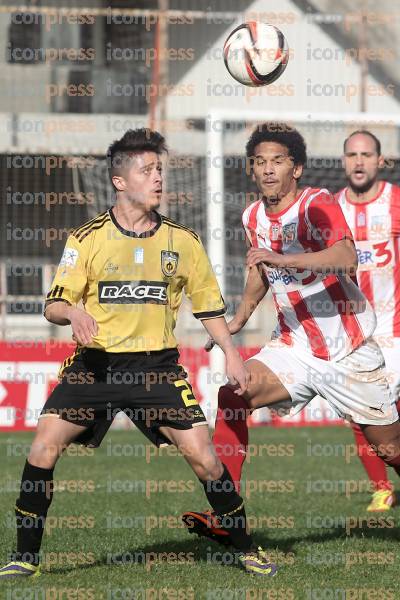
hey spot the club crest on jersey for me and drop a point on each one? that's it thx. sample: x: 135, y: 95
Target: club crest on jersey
x: 380, y: 224
x: 169, y: 262
x: 289, y: 232
x: 378, y: 219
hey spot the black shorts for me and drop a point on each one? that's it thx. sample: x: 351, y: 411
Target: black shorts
x: 149, y: 387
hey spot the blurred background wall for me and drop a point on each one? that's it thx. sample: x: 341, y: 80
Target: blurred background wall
x: 76, y: 75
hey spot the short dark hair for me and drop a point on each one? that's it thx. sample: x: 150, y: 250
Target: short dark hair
x: 364, y: 132
x: 280, y: 133
x: 134, y: 141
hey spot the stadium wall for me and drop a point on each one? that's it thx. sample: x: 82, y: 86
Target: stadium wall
x: 28, y: 373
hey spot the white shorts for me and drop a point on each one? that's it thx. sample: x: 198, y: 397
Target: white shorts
x: 392, y: 361
x: 356, y: 386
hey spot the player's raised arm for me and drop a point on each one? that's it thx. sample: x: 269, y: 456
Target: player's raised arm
x: 339, y: 258
x: 328, y: 228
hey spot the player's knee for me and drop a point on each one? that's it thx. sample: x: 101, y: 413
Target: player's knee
x: 392, y: 460
x: 389, y: 451
x: 208, y: 468
x: 44, y: 453
x: 215, y: 471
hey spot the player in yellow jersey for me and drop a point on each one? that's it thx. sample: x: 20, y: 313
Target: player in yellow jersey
x: 129, y: 267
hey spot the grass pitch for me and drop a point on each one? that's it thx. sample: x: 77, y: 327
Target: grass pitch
x: 114, y: 529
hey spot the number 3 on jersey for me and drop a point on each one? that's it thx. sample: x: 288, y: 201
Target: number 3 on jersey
x: 381, y: 251
x: 186, y: 392
x: 372, y: 256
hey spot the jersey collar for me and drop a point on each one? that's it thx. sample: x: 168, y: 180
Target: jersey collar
x: 145, y: 234
x: 277, y: 215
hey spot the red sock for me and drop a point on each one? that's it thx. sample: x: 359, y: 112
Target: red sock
x: 373, y: 464
x: 231, y: 434
x: 395, y: 461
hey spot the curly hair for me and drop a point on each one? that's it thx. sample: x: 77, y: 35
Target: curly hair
x: 134, y: 141
x: 280, y: 133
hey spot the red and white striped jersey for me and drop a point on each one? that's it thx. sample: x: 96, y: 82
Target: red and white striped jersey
x: 327, y: 314
x: 376, y: 230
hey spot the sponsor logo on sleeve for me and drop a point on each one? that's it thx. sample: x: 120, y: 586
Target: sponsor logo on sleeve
x: 69, y: 257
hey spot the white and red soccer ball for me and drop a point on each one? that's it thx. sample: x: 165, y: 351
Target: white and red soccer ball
x: 256, y: 53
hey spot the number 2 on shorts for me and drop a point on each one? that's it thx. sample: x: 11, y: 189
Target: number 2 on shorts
x: 186, y: 392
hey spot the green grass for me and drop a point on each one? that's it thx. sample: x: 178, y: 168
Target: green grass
x: 317, y: 531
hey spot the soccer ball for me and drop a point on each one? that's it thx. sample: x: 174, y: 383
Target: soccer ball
x: 255, y: 53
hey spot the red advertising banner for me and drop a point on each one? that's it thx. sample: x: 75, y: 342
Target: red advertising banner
x: 28, y: 373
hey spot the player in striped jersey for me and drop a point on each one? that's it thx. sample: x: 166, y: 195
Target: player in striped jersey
x: 372, y: 211
x: 302, y: 249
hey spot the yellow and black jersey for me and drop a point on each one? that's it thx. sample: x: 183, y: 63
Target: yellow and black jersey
x: 132, y: 284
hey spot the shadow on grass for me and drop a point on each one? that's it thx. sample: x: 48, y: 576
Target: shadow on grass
x: 200, y: 550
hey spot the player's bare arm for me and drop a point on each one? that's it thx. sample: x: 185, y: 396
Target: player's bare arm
x: 235, y: 369
x: 255, y: 290
x: 339, y: 258
x: 84, y: 327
